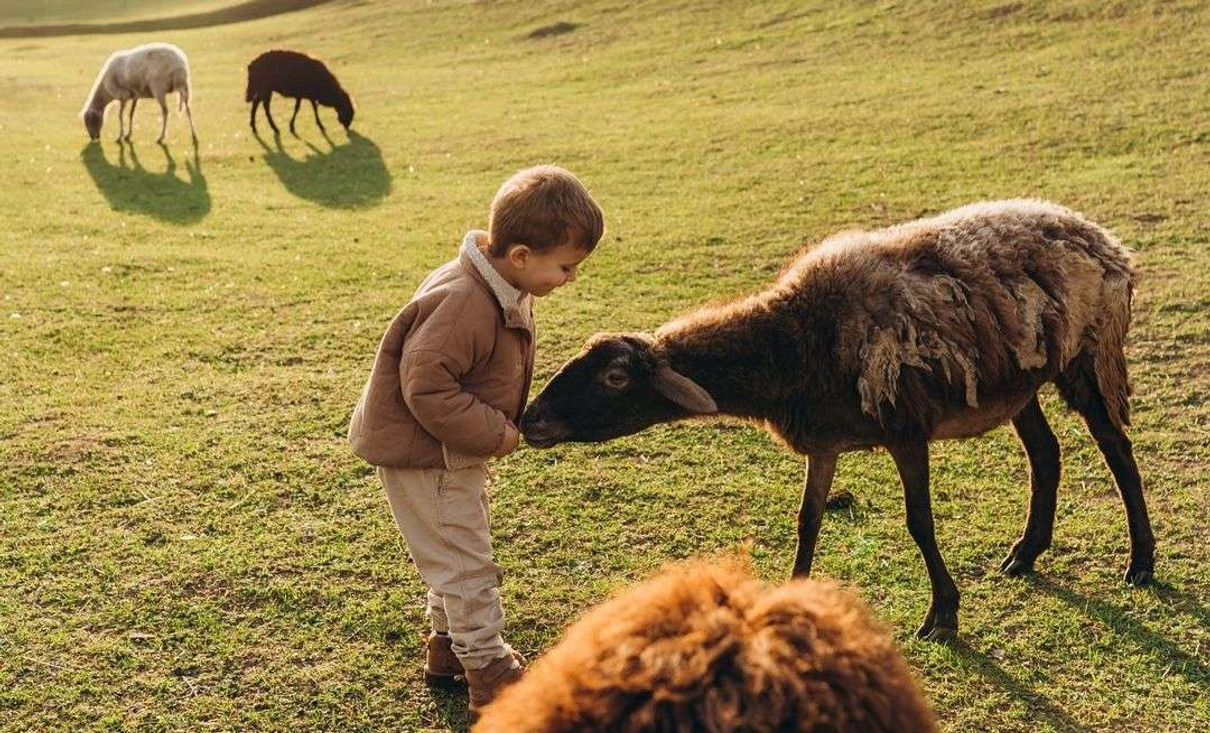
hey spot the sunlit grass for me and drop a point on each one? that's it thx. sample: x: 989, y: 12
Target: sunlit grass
x: 186, y: 541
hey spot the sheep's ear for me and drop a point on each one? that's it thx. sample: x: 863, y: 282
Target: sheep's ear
x: 683, y: 391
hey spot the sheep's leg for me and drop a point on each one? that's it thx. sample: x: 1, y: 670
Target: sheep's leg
x: 912, y: 460
x: 192, y: 127
x: 1044, y: 467
x: 130, y: 128
x: 163, y: 118
x: 269, y: 115
x: 255, y: 104
x: 121, y: 120
x: 821, y: 468
x: 315, y: 109
x: 297, y: 104
x: 1119, y: 454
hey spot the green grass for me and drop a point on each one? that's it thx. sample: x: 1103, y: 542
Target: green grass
x: 29, y: 12
x: 187, y: 542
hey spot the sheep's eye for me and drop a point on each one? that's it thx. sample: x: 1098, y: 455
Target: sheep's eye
x: 616, y: 380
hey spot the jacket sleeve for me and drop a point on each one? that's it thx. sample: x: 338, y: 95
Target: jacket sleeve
x: 435, y: 357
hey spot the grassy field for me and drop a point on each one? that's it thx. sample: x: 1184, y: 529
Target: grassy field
x: 30, y: 12
x: 186, y: 540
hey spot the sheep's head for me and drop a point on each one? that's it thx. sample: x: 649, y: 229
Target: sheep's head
x: 618, y: 385
x: 92, y: 122
x: 344, y: 110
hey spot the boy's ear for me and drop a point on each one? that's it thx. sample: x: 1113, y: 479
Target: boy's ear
x: 518, y: 256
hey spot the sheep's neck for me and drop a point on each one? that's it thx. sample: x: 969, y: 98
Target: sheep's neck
x: 731, y: 361
x: 100, y: 99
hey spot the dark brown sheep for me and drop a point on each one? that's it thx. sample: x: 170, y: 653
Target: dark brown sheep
x: 938, y: 328
x: 294, y: 74
x: 705, y: 647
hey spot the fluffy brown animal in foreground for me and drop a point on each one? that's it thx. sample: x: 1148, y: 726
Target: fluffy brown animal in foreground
x: 938, y: 328
x: 705, y: 647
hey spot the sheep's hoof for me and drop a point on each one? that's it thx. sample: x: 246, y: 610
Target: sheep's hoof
x: 1139, y: 575
x: 1018, y: 562
x: 1021, y: 557
x: 938, y: 627
x: 1016, y: 566
x: 941, y: 635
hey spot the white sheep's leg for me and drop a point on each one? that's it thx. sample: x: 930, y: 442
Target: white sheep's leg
x: 121, y: 121
x: 821, y: 468
x: 192, y: 127
x: 130, y: 127
x: 163, y: 117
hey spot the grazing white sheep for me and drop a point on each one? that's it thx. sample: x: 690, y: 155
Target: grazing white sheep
x: 151, y: 70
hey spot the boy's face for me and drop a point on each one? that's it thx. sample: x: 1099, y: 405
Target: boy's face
x: 539, y: 273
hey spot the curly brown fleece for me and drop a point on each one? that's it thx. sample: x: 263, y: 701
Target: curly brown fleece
x: 705, y: 647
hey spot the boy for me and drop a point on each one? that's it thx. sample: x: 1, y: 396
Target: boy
x: 448, y: 385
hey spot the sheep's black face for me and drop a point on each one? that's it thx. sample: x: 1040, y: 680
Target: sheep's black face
x: 344, y: 111
x: 92, y: 123
x: 617, y: 386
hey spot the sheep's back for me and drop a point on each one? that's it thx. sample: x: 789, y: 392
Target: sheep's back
x: 291, y: 74
x: 140, y: 68
x: 978, y: 299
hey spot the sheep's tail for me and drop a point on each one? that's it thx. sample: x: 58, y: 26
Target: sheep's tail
x: 1109, y: 353
x: 185, y: 94
x: 1096, y: 378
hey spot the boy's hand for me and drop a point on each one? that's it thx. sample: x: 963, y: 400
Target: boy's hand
x: 512, y: 438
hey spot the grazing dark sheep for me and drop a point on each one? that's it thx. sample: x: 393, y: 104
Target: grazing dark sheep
x: 294, y: 74
x: 938, y: 328
x: 705, y: 647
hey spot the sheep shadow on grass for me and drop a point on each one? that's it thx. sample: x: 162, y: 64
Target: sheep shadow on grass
x: 348, y: 176
x: 129, y: 187
x: 1041, y: 708
x: 1122, y: 622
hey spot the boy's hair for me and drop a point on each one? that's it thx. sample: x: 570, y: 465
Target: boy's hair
x: 543, y: 207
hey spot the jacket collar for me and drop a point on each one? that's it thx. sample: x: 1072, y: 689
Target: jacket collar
x: 516, y: 304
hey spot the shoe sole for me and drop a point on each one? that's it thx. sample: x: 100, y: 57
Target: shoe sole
x: 443, y: 680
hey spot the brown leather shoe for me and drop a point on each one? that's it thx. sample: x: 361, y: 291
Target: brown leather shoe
x: 441, y: 667
x: 486, y: 682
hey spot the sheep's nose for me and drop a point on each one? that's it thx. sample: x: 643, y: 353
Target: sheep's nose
x: 531, y: 421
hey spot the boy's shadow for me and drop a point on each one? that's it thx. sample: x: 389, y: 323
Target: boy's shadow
x: 348, y: 176
x: 133, y: 188
x: 451, y: 704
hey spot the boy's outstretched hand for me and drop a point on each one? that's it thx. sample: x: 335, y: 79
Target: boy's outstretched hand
x: 512, y: 438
